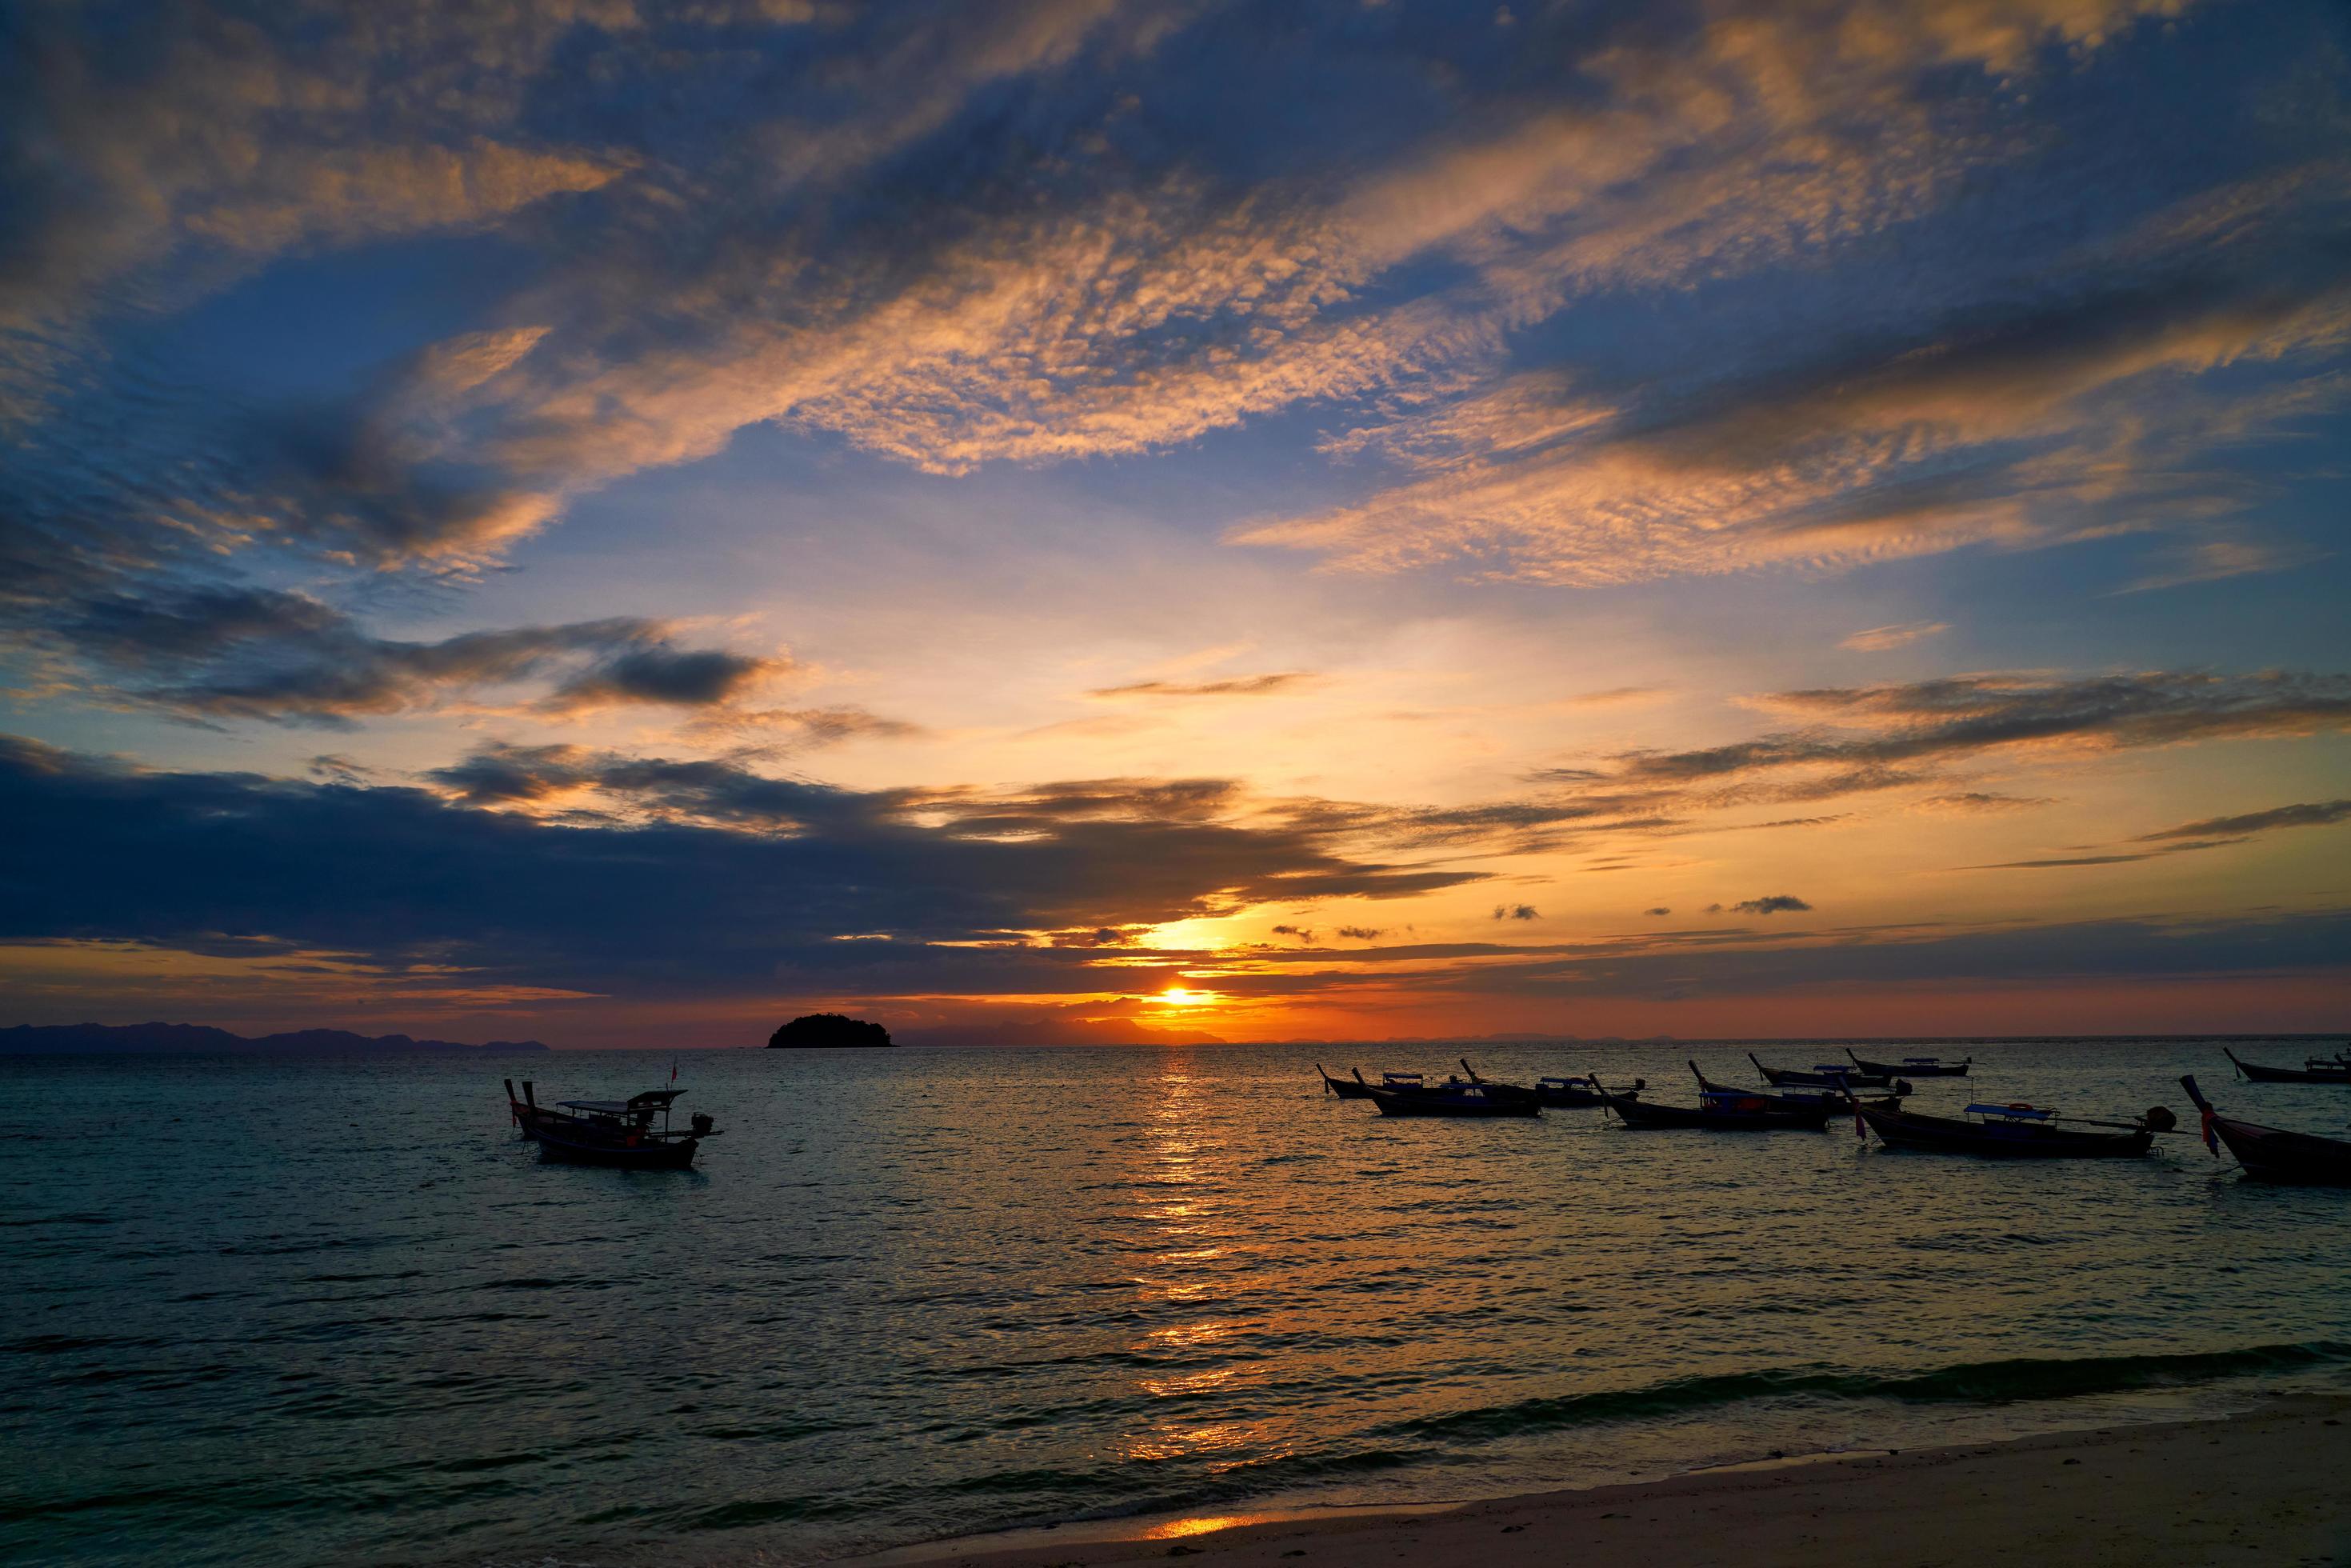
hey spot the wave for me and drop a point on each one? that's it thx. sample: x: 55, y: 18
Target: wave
x: 1975, y: 1382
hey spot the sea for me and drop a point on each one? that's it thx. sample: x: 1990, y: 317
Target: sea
x: 303, y: 1311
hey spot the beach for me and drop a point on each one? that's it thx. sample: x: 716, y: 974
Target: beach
x: 2264, y: 1486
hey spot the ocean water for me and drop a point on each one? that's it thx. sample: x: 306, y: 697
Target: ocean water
x: 262, y: 1312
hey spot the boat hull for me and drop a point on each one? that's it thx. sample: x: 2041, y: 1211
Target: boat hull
x: 1913, y: 1069
x: 1346, y: 1089
x: 2261, y: 1075
x: 1645, y: 1116
x: 1950, y: 1136
x: 1436, y: 1103
x: 2289, y: 1159
x: 652, y: 1155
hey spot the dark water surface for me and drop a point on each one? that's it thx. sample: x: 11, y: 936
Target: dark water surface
x: 262, y: 1312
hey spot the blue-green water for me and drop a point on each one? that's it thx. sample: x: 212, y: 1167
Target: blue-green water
x: 262, y: 1311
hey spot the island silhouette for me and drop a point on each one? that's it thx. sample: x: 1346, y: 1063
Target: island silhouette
x: 827, y: 1030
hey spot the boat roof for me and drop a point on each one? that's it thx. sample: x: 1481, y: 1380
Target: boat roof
x: 2031, y: 1111
x: 652, y: 1098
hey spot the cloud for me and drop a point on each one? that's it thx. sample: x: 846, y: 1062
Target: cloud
x: 1879, y: 639
x: 702, y: 677
x: 221, y: 653
x: 1772, y: 903
x: 1515, y: 911
x: 1297, y: 932
x: 2314, y: 814
x: 1234, y: 687
x: 1362, y: 933
x: 2012, y: 424
x: 1982, y: 801
x: 2217, y: 561
x: 2210, y: 833
x: 1660, y: 909
x: 686, y: 878
x: 1964, y: 716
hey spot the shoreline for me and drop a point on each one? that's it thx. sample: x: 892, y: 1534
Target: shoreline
x: 2266, y: 1480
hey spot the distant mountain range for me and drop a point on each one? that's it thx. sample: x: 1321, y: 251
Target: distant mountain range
x: 200, y: 1040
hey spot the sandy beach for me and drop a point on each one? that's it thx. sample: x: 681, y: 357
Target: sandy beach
x: 2264, y: 1486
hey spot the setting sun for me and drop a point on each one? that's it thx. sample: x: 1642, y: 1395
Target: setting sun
x: 1177, y: 997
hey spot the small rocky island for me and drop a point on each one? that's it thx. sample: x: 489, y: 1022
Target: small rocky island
x: 827, y: 1030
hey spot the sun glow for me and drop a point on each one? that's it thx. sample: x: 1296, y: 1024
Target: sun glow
x: 1179, y: 997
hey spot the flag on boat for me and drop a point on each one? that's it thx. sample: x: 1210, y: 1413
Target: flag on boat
x: 2211, y: 1136
x: 673, y: 1070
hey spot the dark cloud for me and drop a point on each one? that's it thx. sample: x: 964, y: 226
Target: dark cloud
x: 684, y: 677
x: 725, y: 883
x: 229, y: 653
x: 1362, y: 933
x: 1515, y: 911
x: 1236, y: 687
x: 1660, y: 909
x: 1296, y: 933
x: 1964, y: 716
x: 2211, y: 833
x: 2312, y: 815
x: 1772, y: 903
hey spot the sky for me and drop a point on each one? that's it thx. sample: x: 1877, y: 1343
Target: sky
x: 1086, y: 521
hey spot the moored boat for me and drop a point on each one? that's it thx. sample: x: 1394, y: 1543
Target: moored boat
x: 2016, y: 1131
x: 1828, y: 1075
x: 1452, y: 1099
x: 615, y: 1133
x: 1829, y: 1100
x: 2315, y: 1070
x: 1578, y: 1094
x: 1504, y: 1092
x: 1722, y: 1110
x: 1345, y: 1088
x: 2273, y: 1154
x: 1914, y: 1066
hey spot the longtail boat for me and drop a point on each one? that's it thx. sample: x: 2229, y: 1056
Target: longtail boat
x: 2273, y: 1154
x: 1826, y: 1075
x: 1452, y: 1099
x: 615, y: 1133
x: 1914, y: 1066
x: 1831, y: 1100
x: 2015, y: 1132
x: 1733, y: 1110
x: 1578, y: 1094
x: 1505, y: 1091
x: 1345, y: 1088
x: 2317, y: 1069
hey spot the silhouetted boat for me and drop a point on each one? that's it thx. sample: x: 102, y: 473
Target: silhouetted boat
x: 619, y: 1133
x: 2315, y: 1070
x: 2273, y: 1154
x: 1834, y: 1100
x: 1451, y: 1100
x: 1345, y: 1088
x: 1914, y: 1067
x: 1722, y: 1110
x: 2014, y: 1132
x: 1828, y: 1075
x: 1578, y: 1094
x: 1503, y: 1092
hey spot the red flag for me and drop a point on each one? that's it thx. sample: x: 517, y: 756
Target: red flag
x: 2211, y: 1136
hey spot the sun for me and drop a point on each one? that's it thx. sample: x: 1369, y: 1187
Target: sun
x: 1178, y: 997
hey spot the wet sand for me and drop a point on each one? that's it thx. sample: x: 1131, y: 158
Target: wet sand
x: 2268, y: 1486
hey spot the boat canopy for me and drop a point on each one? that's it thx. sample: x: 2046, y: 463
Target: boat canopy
x: 602, y: 1107
x: 2022, y: 1112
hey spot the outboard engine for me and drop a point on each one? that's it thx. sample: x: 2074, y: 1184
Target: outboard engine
x: 702, y: 1124
x: 2159, y: 1119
